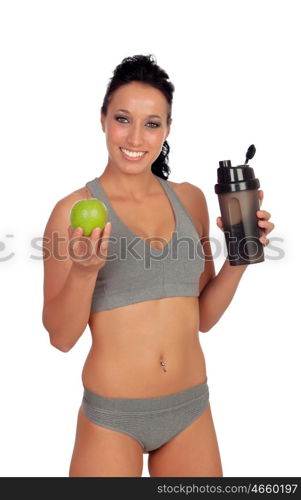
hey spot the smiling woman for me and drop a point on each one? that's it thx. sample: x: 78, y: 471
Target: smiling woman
x: 130, y: 117
x: 145, y: 381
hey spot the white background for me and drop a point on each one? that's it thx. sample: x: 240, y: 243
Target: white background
x: 235, y: 66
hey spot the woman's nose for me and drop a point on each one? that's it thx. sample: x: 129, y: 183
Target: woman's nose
x: 135, y: 136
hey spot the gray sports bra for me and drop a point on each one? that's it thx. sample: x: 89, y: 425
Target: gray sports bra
x: 136, y: 271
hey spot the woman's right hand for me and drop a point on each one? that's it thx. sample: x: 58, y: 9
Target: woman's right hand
x: 89, y: 253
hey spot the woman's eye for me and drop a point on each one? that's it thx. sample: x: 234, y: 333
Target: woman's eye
x: 156, y: 125
x: 122, y: 118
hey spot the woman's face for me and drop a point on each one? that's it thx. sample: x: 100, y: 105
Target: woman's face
x: 135, y: 129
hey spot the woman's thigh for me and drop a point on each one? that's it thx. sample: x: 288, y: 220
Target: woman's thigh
x: 102, y: 452
x: 194, y: 452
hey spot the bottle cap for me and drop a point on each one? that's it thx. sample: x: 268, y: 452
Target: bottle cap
x: 232, y: 179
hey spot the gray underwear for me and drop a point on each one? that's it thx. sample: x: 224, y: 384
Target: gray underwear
x: 150, y: 421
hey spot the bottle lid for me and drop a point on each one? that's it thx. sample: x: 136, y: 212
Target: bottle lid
x: 232, y: 179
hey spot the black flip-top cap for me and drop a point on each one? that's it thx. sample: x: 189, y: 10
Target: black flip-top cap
x: 232, y: 179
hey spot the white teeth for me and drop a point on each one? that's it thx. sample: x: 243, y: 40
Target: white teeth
x: 130, y: 153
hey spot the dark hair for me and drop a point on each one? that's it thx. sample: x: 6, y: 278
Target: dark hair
x: 144, y: 69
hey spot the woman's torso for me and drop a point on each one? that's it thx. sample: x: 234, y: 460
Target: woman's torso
x: 130, y: 342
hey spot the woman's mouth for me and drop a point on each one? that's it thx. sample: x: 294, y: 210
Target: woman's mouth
x: 131, y: 155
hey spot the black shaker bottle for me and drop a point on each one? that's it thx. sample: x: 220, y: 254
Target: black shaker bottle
x: 237, y: 191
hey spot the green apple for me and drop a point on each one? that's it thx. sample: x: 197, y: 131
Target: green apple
x: 88, y: 214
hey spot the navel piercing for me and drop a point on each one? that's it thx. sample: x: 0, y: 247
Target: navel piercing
x: 163, y: 363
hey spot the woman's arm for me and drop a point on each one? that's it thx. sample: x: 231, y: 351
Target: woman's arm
x: 217, y: 291
x: 69, y: 282
x: 67, y: 288
x: 65, y: 317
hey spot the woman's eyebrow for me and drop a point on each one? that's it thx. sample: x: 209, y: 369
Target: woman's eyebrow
x: 149, y: 116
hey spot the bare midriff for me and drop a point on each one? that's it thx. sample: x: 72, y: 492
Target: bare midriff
x: 147, y: 349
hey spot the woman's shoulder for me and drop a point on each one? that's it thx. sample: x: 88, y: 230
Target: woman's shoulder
x: 62, y: 207
x: 190, y: 192
x: 193, y: 199
x: 76, y: 195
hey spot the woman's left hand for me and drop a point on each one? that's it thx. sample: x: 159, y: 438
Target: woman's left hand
x: 265, y: 225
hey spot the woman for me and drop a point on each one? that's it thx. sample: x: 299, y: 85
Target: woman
x: 144, y: 294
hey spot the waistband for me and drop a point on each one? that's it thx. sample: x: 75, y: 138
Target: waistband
x: 145, y: 404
